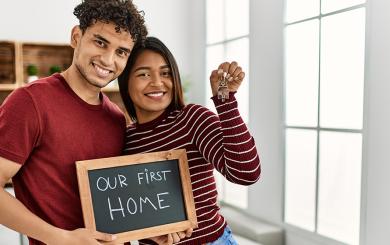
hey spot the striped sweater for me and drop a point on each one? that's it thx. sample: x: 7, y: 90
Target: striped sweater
x: 220, y: 142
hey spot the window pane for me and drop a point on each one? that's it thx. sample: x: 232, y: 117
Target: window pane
x: 342, y: 70
x: 237, y: 18
x: 302, y: 57
x: 300, y: 189
x: 339, y: 186
x: 214, y: 20
x: 239, y: 51
x: 236, y: 195
x: 220, y: 182
x: 334, y: 5
x: 301, y: 9
x: 214, y: 57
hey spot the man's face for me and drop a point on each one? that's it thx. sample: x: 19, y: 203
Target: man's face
x: 101, y: 53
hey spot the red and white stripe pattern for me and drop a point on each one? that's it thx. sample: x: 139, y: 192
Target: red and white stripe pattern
x: 220, y: 142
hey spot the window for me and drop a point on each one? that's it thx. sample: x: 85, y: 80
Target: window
x: 228, y: 40
x: 324, y: 86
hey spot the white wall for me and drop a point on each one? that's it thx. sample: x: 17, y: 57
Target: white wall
x: 38, y: 20
x: 51, y: 21
x: 377, y: 124
x: 180, y: 23
x: 266, y: 97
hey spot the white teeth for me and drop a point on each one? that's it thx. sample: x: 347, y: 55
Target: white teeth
x: 101, y: 71
x: 156, y: 94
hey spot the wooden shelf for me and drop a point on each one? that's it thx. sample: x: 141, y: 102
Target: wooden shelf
x: 8, y: 62
x: 15, y: 57
x: 8, y: 87
x: 44, y: 56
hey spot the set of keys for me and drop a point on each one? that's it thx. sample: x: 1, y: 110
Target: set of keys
x: 223, y: 91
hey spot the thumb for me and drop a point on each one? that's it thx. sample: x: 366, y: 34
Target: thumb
x: 214, y: 76
x: 103, y: 236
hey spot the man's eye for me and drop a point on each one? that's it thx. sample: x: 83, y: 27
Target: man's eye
x: 100, y: 43
x: 122, y: 53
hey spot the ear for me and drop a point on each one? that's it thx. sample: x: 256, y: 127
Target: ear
x: 75, y: 36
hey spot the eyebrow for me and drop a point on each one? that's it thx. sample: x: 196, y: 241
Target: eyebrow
x: 108, y: 42
x: 148, y: 68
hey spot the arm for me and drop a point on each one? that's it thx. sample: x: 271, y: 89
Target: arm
x: 16, y: 216
x: 224, y: 140
x: 20, y: 130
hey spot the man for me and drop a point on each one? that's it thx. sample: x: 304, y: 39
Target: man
x: 49, y: 124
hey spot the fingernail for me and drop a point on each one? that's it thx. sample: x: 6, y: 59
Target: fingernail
x: 236, y: 78
x: 220, y: 71
x: 227, y: 76
x: 113, y: 237
x: 230, y: 79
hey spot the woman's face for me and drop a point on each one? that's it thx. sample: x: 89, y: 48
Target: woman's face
x: 150, y: 86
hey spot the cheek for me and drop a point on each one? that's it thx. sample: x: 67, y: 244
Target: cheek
x: 121, y: 64
x: 134, y: 90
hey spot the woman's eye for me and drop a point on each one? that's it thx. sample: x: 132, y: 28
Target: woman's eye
x: 166, y: 74
x: 143, y: 75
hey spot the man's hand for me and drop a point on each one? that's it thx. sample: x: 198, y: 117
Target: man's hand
x: 172, y: 237
x: 82, y: 236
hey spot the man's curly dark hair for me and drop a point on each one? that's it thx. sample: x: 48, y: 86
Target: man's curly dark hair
x: 123, y: 13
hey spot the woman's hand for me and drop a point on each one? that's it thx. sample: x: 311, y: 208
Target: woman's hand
x: 172, y: 237
x: 232, y: 73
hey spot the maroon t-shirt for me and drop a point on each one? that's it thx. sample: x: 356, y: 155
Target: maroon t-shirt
x: 46, y: 127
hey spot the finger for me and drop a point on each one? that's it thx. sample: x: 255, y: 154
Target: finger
x: 103, y: 236
x: 181, y: 234
x: 233, y: 66
x: 240, y: 77
x: 220, y: 74
x: 224, y: 66
x: 189, y: 232
x: 170, y: 239
x: 214, y: 75
x: 175, y: 237
x: 237, y: 71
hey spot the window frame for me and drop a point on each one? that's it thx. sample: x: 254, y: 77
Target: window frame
x: 296, y: 230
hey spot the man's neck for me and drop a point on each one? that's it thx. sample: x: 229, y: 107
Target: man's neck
x: 81, y: 87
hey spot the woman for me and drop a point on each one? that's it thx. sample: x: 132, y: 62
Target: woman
x: 152, y: 93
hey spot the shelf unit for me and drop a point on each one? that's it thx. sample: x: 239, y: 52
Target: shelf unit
x: 16, y: 56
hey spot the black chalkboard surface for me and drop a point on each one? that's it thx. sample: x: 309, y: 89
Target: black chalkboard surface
x: 137, y: 196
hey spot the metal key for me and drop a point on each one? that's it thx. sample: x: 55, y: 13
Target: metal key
x: 223, y: 91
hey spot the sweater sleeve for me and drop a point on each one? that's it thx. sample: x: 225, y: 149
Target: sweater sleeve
x: 225, y: 141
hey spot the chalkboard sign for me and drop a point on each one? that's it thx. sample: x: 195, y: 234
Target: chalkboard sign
x: 137, y: 196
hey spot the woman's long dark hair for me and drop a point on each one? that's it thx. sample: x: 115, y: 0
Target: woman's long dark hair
x: 154, y: 44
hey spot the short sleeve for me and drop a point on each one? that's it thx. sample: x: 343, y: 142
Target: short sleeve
x: 19, y: 126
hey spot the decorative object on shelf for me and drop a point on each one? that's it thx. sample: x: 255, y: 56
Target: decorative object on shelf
x: 54, y: 69
x: 32, y: 72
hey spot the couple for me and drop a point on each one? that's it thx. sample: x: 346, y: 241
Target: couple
x: 49, y: 124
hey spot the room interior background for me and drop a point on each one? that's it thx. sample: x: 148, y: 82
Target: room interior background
x: 182, y: 25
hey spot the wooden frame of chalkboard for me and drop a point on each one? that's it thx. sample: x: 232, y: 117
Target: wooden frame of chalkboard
x: 137, y: 196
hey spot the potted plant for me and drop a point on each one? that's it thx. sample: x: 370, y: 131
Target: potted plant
x: 54, y: 69
x: 32, y: 72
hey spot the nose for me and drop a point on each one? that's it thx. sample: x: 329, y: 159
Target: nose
x: 107, y: 58
x: 156, y: 79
